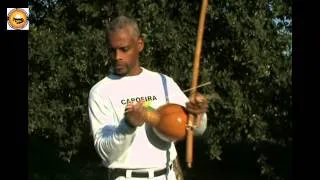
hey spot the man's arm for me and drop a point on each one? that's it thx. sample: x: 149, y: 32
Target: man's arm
x: 111, y: 139
x: 176, y: 95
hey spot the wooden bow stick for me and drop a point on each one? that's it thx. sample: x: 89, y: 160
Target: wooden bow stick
x: 189, y: 141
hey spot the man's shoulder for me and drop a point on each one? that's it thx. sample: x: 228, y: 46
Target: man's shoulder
x: 101, y: 85
x: 157, y: 73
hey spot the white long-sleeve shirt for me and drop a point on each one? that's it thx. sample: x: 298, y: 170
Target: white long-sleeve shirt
x: 119, y: 145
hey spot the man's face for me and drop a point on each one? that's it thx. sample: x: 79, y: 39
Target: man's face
x: 125, y: 48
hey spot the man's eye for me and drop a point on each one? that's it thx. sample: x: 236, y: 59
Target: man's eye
x: 124, y: 49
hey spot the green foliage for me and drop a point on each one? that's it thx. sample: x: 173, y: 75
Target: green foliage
x: 62, y: 67
x: 245, y: 54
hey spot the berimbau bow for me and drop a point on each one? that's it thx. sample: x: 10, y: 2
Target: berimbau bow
x: 196, y: 63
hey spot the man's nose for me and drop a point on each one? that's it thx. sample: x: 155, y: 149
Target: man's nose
x: 118, y: 55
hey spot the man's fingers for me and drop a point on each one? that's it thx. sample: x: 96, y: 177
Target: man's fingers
x: 197, y: 105
x: 200, y: 99
x: 204, y: 106
x: 134, y: 112
x: 198, y: 119
x: 197, y: 108
x: 197, y: 111
x: 140, y: 123
x: 130, y: 107
x: 133, y: 107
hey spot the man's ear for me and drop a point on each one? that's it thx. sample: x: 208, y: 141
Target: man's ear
x: 140, y: 44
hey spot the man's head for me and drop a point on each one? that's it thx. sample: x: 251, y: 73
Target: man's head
x: 125, y: 44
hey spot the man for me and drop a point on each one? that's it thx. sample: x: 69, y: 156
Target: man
x: 117, y: 110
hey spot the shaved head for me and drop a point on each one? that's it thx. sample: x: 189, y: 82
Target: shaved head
x: 123, y: 22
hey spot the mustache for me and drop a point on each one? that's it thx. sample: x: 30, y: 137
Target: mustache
x: 115, y: 63
x: 119, y: 64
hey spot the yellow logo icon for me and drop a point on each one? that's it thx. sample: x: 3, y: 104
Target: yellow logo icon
x: 18, y: 19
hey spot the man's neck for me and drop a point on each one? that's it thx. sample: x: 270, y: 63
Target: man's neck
x: 135, y: 72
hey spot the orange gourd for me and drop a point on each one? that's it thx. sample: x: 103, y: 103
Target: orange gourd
x: 170, y: 120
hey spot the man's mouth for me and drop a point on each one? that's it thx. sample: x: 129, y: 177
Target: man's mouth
x: 119, y: 66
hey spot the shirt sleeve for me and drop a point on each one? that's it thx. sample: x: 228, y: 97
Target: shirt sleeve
x: 176, y: 95
x: 111, y: 137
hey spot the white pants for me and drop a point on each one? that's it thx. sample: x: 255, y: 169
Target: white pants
x: 170, y: 176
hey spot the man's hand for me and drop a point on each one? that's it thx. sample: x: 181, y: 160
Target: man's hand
x: 134, y: 114
x: 198, y: 106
